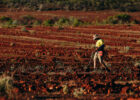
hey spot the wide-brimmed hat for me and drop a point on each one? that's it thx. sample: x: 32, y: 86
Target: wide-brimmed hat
x: 95, y: 36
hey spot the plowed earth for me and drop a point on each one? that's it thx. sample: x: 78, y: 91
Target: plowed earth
x: 46, y: 58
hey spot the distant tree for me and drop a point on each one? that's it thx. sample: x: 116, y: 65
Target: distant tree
x: 122, y: 5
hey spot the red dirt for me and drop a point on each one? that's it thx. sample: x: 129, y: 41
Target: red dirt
x: 49, y: 58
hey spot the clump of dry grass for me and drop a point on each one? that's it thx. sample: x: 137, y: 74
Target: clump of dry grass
x: 65, y: 89
x: 6, y: 85
x: 125, y: 49
x: 32, y: 32
x: 137, y: 63
x: 78, y: 92
x: 138, y: 41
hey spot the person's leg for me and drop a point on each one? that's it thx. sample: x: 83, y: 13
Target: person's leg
x: 94, y: 59
x: 101, y: 60
x: 100, y: 57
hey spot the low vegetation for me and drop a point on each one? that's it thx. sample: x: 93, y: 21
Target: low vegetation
x: 6, y: 21
x: 117, y: 19
x: 64, y: 22
x: 120, y: 19
x: 28, y: 20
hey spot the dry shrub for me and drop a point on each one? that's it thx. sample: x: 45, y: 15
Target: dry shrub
x: 137, y: 64
x: 138, y: 41
x: 78, y: 92
x: 6, y: 85
x: 125, y: 49
x: 32, y: 32
x: 65, y: 89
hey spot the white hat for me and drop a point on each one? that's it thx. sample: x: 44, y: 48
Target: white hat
x: 95, y: 36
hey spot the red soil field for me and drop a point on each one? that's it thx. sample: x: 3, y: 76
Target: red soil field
x: 46, y: 58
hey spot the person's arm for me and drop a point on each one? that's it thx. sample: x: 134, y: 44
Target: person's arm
x: 96, y: 49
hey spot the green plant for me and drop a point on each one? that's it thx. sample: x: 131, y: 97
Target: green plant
x: 118, y: 19
x: 36, y: 23
x: 5, y: 19
x: 23, y: 29
x: 123, y: 17
x: 27, y: 20
x: 68, y: 22
x: 62, y: 22
x: 49, y: 22
x: 15, y: 23
x: 75, y: 22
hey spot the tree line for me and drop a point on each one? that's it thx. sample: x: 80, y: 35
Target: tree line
x: 84, y: 5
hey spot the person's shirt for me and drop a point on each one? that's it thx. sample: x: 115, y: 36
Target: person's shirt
x: 100, y: 44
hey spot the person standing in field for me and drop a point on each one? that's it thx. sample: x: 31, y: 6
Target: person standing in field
x: 99, y: 51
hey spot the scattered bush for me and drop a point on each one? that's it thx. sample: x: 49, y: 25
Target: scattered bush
x: 15, y: 23
x: 61, y: 22
x: 69, y: 22
x: 75, y: 22
x: 36, y: 23
x: 5, y: 19
x: 49, y: 22
x: 27, y: 20
x: 120, y: 19
x: 32, y: 21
